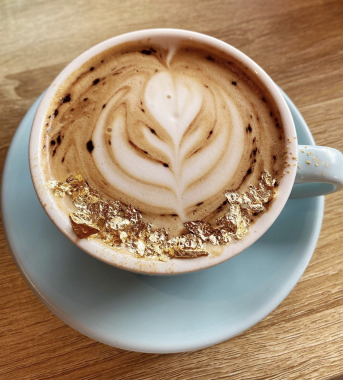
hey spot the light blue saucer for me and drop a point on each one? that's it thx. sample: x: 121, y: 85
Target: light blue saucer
x: 154, y: 314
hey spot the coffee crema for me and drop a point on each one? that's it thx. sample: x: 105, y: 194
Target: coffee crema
x: 169, y: 130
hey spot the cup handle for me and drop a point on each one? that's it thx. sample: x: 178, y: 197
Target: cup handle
x: 320, y: 171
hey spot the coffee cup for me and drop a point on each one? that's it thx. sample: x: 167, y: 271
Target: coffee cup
x: 316, y: 169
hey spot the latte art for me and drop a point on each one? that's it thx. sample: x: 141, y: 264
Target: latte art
x: 175, y: 153
x: 166, y: 130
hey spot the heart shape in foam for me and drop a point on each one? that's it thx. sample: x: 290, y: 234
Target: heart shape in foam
x: 174, y: 101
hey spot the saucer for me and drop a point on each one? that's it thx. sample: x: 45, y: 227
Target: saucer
x: 150, y: 313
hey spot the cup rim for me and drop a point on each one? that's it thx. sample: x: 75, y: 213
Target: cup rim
x: 120, y: 257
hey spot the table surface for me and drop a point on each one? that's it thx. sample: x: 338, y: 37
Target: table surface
x: 300, y: 45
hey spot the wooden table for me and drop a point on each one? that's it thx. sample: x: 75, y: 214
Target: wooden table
x: 300, y: 44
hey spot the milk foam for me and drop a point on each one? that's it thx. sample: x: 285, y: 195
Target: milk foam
x: 170, y: 131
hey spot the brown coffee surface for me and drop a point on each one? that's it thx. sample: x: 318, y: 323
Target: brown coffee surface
x: 166, y: 129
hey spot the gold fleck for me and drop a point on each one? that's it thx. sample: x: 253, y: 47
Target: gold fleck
x: 308, y: 162
x: 81, y: 227
x: 294, y: 158
x: 326, y: 164
x: 299, y: 166
x: 302, y: 151
x: 323, y: 174
x: 316, y: 164
x: 288, y: 171
x: 309, y: 154
x: 315, y: 159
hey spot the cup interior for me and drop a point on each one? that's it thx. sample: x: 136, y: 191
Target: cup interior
x: 120, y: 257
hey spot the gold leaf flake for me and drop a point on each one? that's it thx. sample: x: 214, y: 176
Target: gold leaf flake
x: 81, y: 227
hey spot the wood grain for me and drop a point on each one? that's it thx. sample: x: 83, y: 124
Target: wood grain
x: 300, y: 44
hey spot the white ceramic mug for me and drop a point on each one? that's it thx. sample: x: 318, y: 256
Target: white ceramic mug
x: 330, y: 161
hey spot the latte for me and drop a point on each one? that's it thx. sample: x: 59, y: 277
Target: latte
x: 166, y: 127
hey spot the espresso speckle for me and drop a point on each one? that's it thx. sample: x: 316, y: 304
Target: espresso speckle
x: 142, y: 109
x: 249, y: 171
x: 234, y: 83
x: 200, y: 203
x: 91, y: 69
x: 56, y: 112
x: 66, y: 99
x: 210, y: 58
x: 249, y: 129
x: 264, y: 100
x: 146, y: 52
x: 62, y: 160
x: 104, y: 105
x: 85, y: 99
x: 52, y: 142
x: 90, y: 146
x: 174, y: 215
x: 166, y: 165
x: 96, y: 81
x: 59, y: 140
x: 153, y: 131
